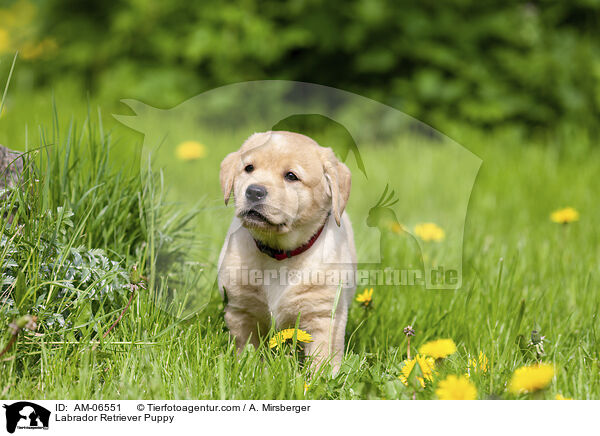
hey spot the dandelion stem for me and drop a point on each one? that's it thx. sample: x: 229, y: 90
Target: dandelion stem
x: 408, y: 331
x: 133, y: 292
x: 133, y: 289
x: 26, y: 321
x: 121, y: 315
x: 12, y: 340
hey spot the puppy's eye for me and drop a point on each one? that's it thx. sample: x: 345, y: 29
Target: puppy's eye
x: 290, y: 176
x: 249, y: 168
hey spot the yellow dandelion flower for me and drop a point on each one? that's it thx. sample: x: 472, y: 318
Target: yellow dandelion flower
x: 479, y: 365
x: 365, y: 297
x: 191, y: 150
x: 531, y: 378
x: 430, y: 232
x: 5, y: 43
x: 288, y: 334
x: 456, y: 388
x: 564, y: 216
x: 560, y: 397
x: 427, y: 365
x: 397, y: 228
x: 438, y: 349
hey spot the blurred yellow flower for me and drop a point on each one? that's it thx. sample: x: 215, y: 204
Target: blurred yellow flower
x: 427, y: 365
x: 5, y: 44
x: 564, y: 216
x: 531, y: 378
x: 365, y: 297
x: 21, y: 13
x: 439, y: 348
x: 456, y: 388
x: 560, y: 397
x: 20, y: 31
x: 430, y: 232
x: 288, y: 334
x: 397, y: 228
x: 479, y: 365
x: 191, y: 150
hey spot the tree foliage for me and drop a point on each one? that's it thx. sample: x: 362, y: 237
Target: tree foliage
x: 495, y: 63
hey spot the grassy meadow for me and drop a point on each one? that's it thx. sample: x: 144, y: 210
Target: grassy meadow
x: 521, y: 272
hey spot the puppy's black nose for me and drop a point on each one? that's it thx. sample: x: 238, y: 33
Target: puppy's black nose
x: 256, y: 193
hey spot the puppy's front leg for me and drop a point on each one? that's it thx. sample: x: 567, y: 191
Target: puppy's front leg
x: 328, y: 337
x: 244, y: 326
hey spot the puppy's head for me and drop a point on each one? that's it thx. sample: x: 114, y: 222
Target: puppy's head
x: 283, y: 183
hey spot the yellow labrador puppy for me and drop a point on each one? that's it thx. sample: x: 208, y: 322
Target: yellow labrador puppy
x: 289, y: 252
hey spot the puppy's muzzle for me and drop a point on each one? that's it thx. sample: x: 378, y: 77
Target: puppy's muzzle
x: 256, y: 193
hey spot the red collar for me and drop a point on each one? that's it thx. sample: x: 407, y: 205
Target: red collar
x: 286, y: 254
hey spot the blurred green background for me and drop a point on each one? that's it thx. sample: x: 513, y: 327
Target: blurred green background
x: 530, y: 67
x: 516, y: 83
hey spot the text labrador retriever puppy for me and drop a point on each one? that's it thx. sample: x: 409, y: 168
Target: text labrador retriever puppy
x: 290, y: 248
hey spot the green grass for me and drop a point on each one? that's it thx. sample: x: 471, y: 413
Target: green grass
x: 521, y: 272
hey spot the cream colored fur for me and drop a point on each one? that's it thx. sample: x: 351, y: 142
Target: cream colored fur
x: 293, y: 212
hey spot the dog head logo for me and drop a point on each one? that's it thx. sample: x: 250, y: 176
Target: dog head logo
x: 24, y: 414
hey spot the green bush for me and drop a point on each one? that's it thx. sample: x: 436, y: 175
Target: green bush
x: 74, y: 225
x: 530, y: 65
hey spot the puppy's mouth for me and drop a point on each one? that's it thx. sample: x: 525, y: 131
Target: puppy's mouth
x: 255, y: 218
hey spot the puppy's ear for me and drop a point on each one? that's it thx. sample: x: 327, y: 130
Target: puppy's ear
x: 227, y: 174
x: 339, y: 179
